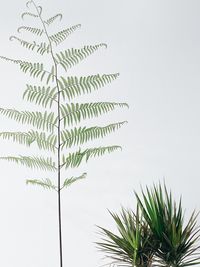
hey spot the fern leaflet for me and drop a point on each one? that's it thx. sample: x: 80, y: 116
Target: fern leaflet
x: 74, y: 86
x: 81, y: 135
x: 70, y: 181
x: 33, y: 162
x: 59, y: 37
x: 35, y: 31
x: 75, y: 112
x: 71, y: 57
x: 73, y: 160
x: 40, y: 95
x: 46, y: 121
x: 29, y: 14
x: 45, y: 183
x: 52, y: 19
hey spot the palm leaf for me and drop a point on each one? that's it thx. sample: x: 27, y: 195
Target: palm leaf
x: 44, y: 96
x: 75, y: 86
x: 75, y: 112
x: 45, y: 164
x: 45, y: 183
x: 71, y: 57
x: 72, y: 180
x: 81, y: 135
x: 73, y: 160
x: 37, y: 119
x: 59, y: 37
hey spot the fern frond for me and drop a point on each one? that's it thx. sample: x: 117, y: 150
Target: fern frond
x: 59, y: 37
x: 52, y: 19
x: 75, y: 86
x: 73, y: 160
x: 70, y: 181
x: 15, y: 61
x: 27, y: 138
x: 75, y: 112
x: 35, y: 31
x: 45, y: 164
x: 81, y: 135
x: 46, y: 121
x: 28, y: 14
x: 28, y: 3
x: 45, y: 183
x: 44, y: 96
x: 39, y: 48
x: 71, y: 57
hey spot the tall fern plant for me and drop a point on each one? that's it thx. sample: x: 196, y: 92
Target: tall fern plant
x: 58, y: 132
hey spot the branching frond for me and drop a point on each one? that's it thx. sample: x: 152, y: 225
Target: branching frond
x: 71, y: 57
x: 39, y: 48
x: 27, y: 138
x: 29, y: 14
x: 59, y: 37
x: 44, y: 96
x: 45, y: 183
x: 70, y: 181
x: 73, y: 160
x: 75, y: 112
x: 81, y: 135
x: 75, y: 86
x: 52, y: 19
x: 35, y: 31
x: 45, y: 164
x: 46, y: 121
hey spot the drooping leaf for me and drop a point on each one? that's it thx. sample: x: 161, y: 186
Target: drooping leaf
x: 81, y: 135
x: 76, y: 86
x: 71, y: 57
x: 75, y: 112
x: 45, y: 164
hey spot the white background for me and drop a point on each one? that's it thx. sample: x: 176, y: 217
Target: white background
x: 155, y: 45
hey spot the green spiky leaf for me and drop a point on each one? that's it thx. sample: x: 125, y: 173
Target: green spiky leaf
x: 75, y: 112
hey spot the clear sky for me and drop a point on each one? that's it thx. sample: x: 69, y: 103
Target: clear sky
x: 155, y: 45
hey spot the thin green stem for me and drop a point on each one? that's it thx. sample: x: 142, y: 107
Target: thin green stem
x: 59, y: 136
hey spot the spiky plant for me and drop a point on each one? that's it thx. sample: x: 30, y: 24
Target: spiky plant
x: 177, y: 241
x: 132, y: 246
x: 57, y: 126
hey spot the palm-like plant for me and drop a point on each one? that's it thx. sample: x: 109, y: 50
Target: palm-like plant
x: 57, y: 126
x: 133, y: 245
x: 176, y: 243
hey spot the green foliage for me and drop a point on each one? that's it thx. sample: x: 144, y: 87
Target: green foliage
x: 71, y: 57
x: 45, y: 164
x: 75, y: 86
x: 75, y: 112
x: 69, y: 181
x: 44, y: 96
x: 56, y: 125
x: 45, y: 183
x: 176, y: 241
x: 132, y: 245
x: 45, y: 121
x: 73, y: 160
x: 81, y: 135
